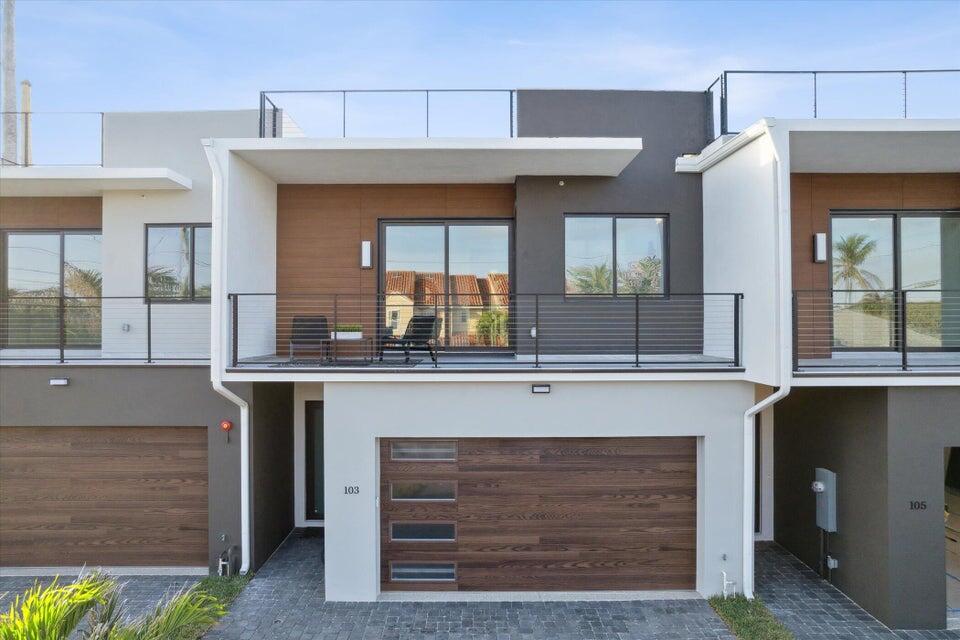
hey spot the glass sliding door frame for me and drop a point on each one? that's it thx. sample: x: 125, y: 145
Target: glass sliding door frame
x: 446, y: 223
x: 897, y: 216
x: 4, y: 277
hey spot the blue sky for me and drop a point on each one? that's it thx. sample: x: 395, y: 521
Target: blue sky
x: 120, y: 55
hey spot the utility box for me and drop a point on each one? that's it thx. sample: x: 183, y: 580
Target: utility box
x: 825, y: 488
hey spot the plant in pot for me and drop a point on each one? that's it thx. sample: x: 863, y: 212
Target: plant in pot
x: 348, y: 331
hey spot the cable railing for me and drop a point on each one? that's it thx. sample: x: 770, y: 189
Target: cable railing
x: 388, y: 113
x: 484, y: 331
x: 742, y: 97
x: 108, y: 328
x: 901, y: 330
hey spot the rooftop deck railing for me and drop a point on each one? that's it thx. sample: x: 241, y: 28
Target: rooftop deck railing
x: 389, y: 113
x: 109, y: 328
x: 485, y: 331
x: 743, y: 97
x: 55, y: 138
x: 891, y: 330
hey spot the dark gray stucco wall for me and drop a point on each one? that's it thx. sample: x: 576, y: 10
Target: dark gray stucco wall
x: 670, y: 122
x: 138, y: 396
x: 922, y: 422
x: 886, y: 445
x: 843, y: 430
x: 271, y: 467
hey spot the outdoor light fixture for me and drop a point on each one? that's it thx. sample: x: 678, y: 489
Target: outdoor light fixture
x: 819, y: 247
x: 366, y: 261
x: 540, y: 388
x: 59, y: 382
x: 226, y: 426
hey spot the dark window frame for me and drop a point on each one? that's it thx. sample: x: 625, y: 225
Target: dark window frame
x: 613, y: 248
x: 4, y: 258
x: 192, y: 297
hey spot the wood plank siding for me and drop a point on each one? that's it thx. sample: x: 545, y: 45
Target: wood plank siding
x: 320, y: 227
x: 812, y: 197
x: 50, y: 213
x: 553, y: 514
x: 109, y: 496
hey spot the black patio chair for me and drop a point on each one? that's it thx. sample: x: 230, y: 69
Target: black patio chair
x: 421, y: 333
x: 310, y: 332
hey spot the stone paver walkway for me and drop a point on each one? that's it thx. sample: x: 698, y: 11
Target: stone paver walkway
x: 813, y: 609
x: 285, y: 601
x: 142, y: 593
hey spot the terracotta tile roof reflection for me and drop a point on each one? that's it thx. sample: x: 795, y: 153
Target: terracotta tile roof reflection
x: 465, y: 290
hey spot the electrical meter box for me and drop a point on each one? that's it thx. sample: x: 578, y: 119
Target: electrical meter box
x: 825, y: 488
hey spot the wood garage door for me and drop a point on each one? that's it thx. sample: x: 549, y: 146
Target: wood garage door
x: 103, y: 496
x: 538, y: 514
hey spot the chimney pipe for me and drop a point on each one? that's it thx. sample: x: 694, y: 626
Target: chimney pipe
x: 8, y: 60
x: 25, y: 123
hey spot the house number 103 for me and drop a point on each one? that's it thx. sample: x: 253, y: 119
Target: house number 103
x: 351, y: 491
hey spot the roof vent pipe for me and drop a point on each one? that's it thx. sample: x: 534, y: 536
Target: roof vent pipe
x: 25, y: 123
x: 8, y: 61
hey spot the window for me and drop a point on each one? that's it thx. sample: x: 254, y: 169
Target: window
x: 423, y: 491
x: 423, y: 532
x: 423, y: 572
x: 424, y: 450
x: 621, y: 255
x: 38, y: 268
x: 178, y: 261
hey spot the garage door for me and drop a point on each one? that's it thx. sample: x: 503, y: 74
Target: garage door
x: 538, y: 514
x: 103, y: 496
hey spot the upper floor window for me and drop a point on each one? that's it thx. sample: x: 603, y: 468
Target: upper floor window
x: 178, y: 261
x: 621, y: 254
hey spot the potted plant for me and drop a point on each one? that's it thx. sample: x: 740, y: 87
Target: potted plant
x: 348, y: 331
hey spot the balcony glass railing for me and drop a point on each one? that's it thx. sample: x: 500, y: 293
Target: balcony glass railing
x: 876, y: 330
x: 489, y: 331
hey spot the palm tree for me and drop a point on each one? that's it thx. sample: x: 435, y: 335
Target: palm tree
x: 849, y: 254
x: 590, y: 279
x: 57, y: 612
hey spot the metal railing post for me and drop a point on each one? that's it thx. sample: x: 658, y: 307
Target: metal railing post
x: 814, y: 94
x: 723, y: 104
x: 904, y: 361
x: 336, y: 338
x: 62, y: 328
x: 536, y: 330
x: 234, y: 328
x: 737, y: 298
x: 904, y: 94
x: 446, y: 328
x: 149, y: 330
x: 510, y: 94
x: 636, y: 330
x: 795, y: 314
x: 263, y: 114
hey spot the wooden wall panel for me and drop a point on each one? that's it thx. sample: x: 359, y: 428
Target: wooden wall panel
x: 71, y: 496
x: 555, y: 514
x: 319, y: 229
x: 50, y: 213
x: 813, y: 197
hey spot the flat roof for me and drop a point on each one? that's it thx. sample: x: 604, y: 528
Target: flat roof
x: 87, y: 181
x: 431, y: 160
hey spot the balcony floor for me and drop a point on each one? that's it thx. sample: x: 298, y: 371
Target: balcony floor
x: 494, y: 362
x: 881, y: 362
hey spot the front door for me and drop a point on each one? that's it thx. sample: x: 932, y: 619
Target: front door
x: 313, y: 451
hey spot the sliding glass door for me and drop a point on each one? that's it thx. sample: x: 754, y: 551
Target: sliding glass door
x: 885, y: 265
x: 457, y: 272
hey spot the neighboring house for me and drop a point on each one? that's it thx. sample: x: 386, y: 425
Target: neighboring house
x: 617, y: 329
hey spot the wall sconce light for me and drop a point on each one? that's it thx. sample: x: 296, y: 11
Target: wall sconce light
x: 819, y: 247
x: 59, y: 382
x: 540, y: 388
x: 366, y: 256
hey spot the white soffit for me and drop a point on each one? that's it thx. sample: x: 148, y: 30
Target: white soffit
x: 86, y: 181
x: 433, y: 160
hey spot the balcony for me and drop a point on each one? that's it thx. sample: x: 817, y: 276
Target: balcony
x: 484, y: 331
x: 105, y: 330
x: 862, y: 332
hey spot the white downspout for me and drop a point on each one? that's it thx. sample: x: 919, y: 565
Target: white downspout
x: 217, y: 296
x: 785, y: 351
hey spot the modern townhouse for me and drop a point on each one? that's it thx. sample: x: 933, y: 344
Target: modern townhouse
x: 584, y: 346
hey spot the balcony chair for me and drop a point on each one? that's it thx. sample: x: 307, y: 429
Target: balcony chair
x: 421, y: 332
x: 310, y: 332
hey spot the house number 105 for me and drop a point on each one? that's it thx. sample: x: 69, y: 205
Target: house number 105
x: 351, y: 491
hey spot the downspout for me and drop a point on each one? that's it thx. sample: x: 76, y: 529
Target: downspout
x: 216, y: 353
x: 785, y: 360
